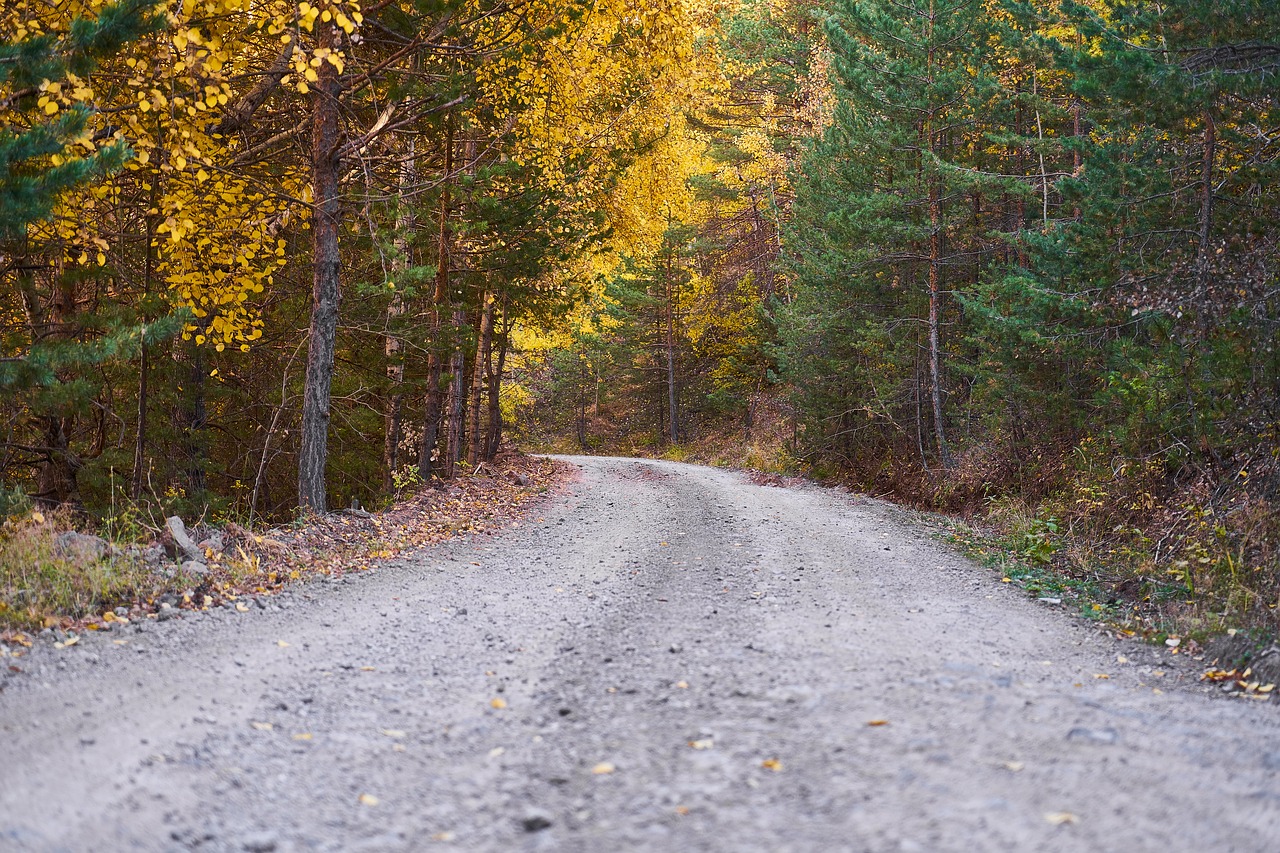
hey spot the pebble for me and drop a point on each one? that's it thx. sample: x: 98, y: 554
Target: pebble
x: 535, y: 820
x: 259, y: 842
x: 1104, y: 737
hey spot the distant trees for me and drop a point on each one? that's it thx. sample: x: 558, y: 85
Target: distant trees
x: 334, y: 219
x: 1014, y: 235
x: 51, y: 342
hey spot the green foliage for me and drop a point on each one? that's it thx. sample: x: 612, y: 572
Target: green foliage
x: 29, y: 182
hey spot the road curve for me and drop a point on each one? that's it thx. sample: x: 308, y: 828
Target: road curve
x: 664, y: 657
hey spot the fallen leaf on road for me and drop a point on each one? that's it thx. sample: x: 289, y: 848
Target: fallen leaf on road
x: 877, y: 722
x: 443, y: 836
x: 263, y: 727
x: 242, y: 607
x: 498, y: 703
x: 682, y: 810
x: 1013, y: 766
x: 368, y: 668
x: 1121, y: 659
x: 604, y: 768
x: 1100, y: 675
x: 282, y: 644
x: 1006, y: 580
x: 1059, y: 818
x: 368, y: 800
x: 302, y: 736
x: 704, y: 743
x: 772, y: 764
x: 497, y: 751
x: 67, y: 643
x: 395, y: 733
x: 683, y: 685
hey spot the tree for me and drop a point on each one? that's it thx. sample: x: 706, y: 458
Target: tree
x: 889, y: 212
x: 46, y: 151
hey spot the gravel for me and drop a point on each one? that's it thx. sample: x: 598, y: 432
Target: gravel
x: 662, y: 657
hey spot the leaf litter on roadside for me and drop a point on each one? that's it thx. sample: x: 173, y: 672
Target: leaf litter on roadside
x: 261, y: 562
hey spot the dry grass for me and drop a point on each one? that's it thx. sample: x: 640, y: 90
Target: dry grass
x: 43, y: 583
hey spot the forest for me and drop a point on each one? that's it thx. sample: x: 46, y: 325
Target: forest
x: 1010, y: 259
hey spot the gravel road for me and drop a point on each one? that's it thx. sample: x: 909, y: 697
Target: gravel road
x: 663, y: 657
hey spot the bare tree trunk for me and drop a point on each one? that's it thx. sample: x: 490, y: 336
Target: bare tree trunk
x: 144, y: 365
x: 935, y: 357
x: 392, y: 427
x: 1205, y: 250
x: 457, y: 396
x: 139, y: 479
x: 484, y: 343
x: 56, y: 481
x: 494, y: 437
x: 326, y: 291
x: 935, y: 268
x: 431, y: 416
x: 672, y: 412
x: 580, y: 415
x: 196, y: 416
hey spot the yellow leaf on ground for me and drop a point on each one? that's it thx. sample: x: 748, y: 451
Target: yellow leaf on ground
x: 302, y: 736
x: 263, y: 727
x: 704, y: 743
x: 368, y: 800
x: 1059, y: 818
x: 282, y: 644
x: 498, y: 702
x: 772, y: 764
x: 604, y: 768
x: 1013, y: 766
x: 877, y: 722
x: 395, y: 733
x: 242, y: 607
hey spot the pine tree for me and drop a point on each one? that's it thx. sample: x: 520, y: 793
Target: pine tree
x: 890, y: 220
x: 48, y: 362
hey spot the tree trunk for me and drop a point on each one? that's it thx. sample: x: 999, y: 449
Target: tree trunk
x: 431, y: 415
x: 672, y: 412
x: 484, y: 343
x: 56, y: 481
x: 194, y: 416
x: 580, y: 414
x: 392, y: 427
x: 935, y: 357
x: 457, y: 396
x: 56, y: 484
x: 494, y: 437
x: 1205, y: 251
x: 140, y: 442
x: 325, y: 293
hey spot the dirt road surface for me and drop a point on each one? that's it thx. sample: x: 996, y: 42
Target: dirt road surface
x: 664, y: 657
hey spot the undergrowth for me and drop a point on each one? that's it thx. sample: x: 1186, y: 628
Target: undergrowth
x: 44, y: 579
